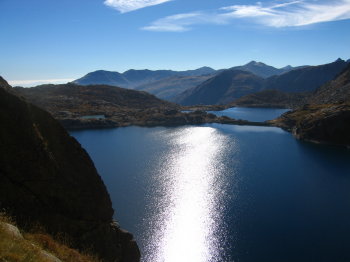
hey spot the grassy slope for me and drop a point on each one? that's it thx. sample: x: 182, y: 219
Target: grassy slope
x: 35, y: 246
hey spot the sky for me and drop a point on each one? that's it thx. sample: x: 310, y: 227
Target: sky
x: 57, y: 41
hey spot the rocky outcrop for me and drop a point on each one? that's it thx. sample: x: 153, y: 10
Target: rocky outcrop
x: 318, y: 123
x: 47, y: 178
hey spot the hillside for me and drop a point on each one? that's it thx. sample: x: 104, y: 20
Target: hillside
x: 272, y: 98
x: 335, y: 91
x: 327, y: 118
x: 222, y: 88
x: 47, y: 179
x: 98, y: 106
x: 170, y: 87
x: 82, y: 99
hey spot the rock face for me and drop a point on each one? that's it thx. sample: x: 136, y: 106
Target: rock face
x: 47, y: 178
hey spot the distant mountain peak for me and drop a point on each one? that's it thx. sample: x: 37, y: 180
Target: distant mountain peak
x: 255, y: 63
x: 339, y: 60
x: 287, y: 67
x: 205, y: 67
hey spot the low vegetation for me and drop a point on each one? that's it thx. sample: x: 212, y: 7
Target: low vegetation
x: 33, y: 246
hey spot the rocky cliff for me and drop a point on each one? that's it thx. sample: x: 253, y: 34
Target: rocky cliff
x: 47, y: 178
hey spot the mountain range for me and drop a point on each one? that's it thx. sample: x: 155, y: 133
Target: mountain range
x: 231, y: 84
x: 167, y: 84
x: 133, y: 78
x: 263, y: 70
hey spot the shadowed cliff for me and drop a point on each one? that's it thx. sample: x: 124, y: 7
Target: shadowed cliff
x: 47, y: 178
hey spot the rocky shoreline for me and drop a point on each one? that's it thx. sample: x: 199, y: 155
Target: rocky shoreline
x: 321, y: 124
x: 152, y: 118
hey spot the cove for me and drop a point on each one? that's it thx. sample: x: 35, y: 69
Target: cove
x: 251, y: 114
x: 225, y: 193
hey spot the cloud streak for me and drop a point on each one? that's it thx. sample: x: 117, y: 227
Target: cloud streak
x: 125, y: 6
x: 287, y: 14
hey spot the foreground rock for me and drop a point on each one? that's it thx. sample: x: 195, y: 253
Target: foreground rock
x: 46, y: 178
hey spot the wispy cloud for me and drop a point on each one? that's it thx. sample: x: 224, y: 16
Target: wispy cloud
x: 28, y: 83
x: 125, y: 6
x: 285, y: 14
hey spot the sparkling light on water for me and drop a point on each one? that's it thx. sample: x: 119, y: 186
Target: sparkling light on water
x: 185, y: 226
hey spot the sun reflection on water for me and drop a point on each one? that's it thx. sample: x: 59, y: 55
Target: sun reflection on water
x: 188, y: 208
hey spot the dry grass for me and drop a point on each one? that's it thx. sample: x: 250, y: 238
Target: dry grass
x: 30, y: 248
x: 61, y: 251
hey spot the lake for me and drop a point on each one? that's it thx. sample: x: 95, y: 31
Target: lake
x: 225, y: 193
x: 251, y: 114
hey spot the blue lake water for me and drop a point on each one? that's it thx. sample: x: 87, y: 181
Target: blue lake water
x: 251, y: 114
x: 225, y: 193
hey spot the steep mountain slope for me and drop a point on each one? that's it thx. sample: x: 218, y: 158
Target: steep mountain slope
x: 133, y: 78
x: 46, y: 178
x: 222, y: 88
x: 335, y: 91
x: 170, y: 87
x: 305, y: 79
